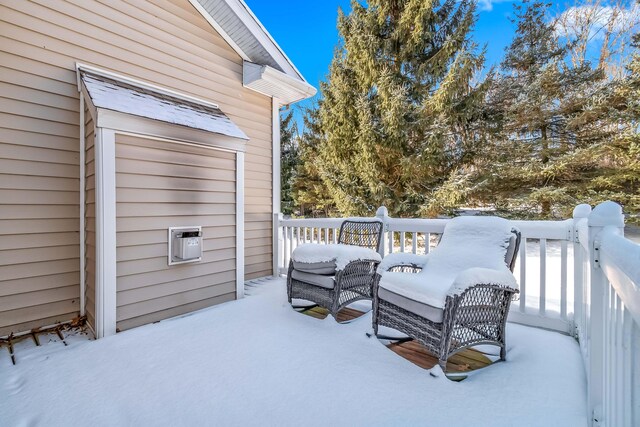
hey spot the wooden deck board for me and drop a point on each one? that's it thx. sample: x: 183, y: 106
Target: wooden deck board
x: 465, y: 361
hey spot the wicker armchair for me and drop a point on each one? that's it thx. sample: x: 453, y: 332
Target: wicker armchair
x: 476, y: 315
x: 335, y: 289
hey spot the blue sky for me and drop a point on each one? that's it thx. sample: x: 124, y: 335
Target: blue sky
x: 306, y: 30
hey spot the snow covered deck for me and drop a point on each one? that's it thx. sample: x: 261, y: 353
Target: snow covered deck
x: 257, y: 361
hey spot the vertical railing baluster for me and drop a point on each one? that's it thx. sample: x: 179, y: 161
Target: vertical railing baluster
x: 627, y: 365
x: 402, y: 236
x: 564, y: 261
x: 543, y: 276
x: 619, y: 396
x: 391, y: 246
x: 523, y: 274
x: 427, y: 243
x: 414, y: 242
x: 608, y: 309
x: 285, y: 258
x: 291, y: 243
x: 326, y: 235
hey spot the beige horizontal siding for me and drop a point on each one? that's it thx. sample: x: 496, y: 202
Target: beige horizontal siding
x: 176, y: 310
x: 147, y: 286
x: 165, y: 42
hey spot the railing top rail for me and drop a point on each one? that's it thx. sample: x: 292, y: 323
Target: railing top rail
x: 620, y: 260
x: 419, y: 225
x: 312, y: 222
x: 555, y: 230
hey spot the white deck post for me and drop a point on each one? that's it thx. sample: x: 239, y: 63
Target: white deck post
x: 277, y: 244
x: 604, y: 215
x: 276, y: 199
x: 239, y: 224
x: 580, y: 212
x: 383, y: 214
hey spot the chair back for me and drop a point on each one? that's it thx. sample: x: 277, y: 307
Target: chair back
x: 366, y: 234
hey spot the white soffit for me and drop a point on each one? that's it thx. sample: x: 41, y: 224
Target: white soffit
x: 110, y: 93
x: 274, y: 83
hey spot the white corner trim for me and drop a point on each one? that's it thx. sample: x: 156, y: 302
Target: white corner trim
x: 81, y: 229
x: 275, y: 148
x: 218, y: 28
x: 139, y: 83
x: 277, y: 196
x: 105, y: 175
x: 239, y: 225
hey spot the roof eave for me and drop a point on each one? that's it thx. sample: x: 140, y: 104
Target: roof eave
x: 276, y: 84
x: 253, y: 27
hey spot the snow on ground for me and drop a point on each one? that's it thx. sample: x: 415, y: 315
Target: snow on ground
x: 258, y: 362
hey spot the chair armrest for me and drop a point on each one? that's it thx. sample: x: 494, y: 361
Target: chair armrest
x: 359, y: 266
x: 473, y: 277
x: 357, y: 274
x: 403, y: 262
x: 404, y: 268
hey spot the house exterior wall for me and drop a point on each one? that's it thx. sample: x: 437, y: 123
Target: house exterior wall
x: 161, y: 185
x: 164, y: 42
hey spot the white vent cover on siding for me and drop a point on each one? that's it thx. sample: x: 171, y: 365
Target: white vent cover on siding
x: 125, y: 97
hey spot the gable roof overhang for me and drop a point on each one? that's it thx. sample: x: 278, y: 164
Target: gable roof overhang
x: 247, y: 36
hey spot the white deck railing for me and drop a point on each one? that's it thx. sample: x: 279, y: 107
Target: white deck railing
x: 608, y: 314
x: 598, y: 300
x: 544, y: 299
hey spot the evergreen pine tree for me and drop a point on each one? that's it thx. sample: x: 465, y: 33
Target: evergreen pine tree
x: 399, y: 111
x: 288, y: 162
x: 542, y: 159
x: 619, y: 177
x: 309, y: 191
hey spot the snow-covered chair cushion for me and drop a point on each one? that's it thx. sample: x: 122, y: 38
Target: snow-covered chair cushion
x: 472, y: 251
x: 328, y: 259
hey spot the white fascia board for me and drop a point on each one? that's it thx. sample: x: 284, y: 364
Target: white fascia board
x: 276, y: 84
x: 123, y: 122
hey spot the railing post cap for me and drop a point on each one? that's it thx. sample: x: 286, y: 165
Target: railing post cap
x: 607, y: 213
x: 582, y: 211
x: 382, y: 211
